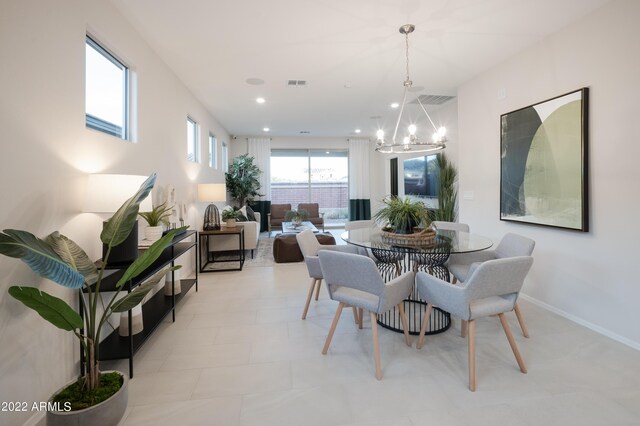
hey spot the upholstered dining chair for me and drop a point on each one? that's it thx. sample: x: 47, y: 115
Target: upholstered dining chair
x: 511, y: 245
x: 309, y: 246
x: 492, y: 288
x: 354, y: 281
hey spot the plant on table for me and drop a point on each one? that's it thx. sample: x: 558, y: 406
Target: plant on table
x: 62, y: 261
x: 402, y: 214
x: 230, y: 214
x: 296, y: 216
x: 158, y: 216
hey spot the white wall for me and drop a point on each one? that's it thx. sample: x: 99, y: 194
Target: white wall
x: 588, y: 276
x: 47, y: 153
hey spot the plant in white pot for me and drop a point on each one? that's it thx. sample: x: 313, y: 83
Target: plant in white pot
x: 156, y: 218
x: 230, y: 216
x: 100, y: 394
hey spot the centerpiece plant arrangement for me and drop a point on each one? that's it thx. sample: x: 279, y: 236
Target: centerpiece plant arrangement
x: 296, y: 216
x: 62, y: 261
x: 402, y: 215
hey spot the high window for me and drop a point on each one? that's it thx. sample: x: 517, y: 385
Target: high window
x: 213, y: 151
x: 106, y: 91
x: 312, y: 176
x: 192, y: 140
x: 225, y: 157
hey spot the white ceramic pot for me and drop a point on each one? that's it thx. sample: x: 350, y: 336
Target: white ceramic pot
x: 137, y: 324
x: 231, y: 223
x: 107, y: 413
x: 168, y: 283
x: 153, y: 233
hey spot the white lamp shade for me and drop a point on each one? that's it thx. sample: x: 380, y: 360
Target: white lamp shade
x: 212, y: 192
x: 107, y: 192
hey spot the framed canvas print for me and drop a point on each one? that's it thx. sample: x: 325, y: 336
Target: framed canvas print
x: 543, y: 166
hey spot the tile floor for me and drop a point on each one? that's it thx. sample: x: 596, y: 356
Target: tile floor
x: 239, y: 354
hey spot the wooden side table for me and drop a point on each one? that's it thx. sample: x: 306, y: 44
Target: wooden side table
x: 208, y: 257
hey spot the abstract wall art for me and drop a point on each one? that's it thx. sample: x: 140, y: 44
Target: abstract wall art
x: 543, y: 167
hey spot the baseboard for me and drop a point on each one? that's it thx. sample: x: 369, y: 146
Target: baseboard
x: 577, y: 320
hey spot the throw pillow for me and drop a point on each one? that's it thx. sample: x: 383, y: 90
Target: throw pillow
x: 250, y: 214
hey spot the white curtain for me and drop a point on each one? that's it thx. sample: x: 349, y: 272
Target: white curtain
x: 260, y: 150
x: 359, y: 178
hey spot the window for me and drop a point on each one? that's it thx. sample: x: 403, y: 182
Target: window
x: 225, y: 157
x: 213, y: 151
x: 192, y: 140
x: 106, y: 91
x: 312, y: 176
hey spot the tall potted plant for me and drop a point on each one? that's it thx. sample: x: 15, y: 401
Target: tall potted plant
x: 242, y: 179
x: 447, y: 191
x: 61, y: 260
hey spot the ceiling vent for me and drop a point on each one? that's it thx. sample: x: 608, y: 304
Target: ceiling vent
x: 296, y: 83
x: 432, y: 99
x: 304, y: 132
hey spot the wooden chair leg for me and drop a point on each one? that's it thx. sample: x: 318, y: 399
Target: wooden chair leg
x: 512, y: 343
x: 405, y: 326
x: 360, y: 317
x: 332, y: 329
x: 376, y: 345
x: 318, y: 288
x: 472, y: 355
x: 463, y: 328
x: 356, y: 317
x: 423, y: 328
x: 306, y: 305
x: 523, y: 326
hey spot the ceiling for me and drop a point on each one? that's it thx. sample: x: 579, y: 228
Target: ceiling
x: 349, y: 52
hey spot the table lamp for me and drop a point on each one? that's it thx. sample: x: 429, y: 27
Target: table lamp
x: 105, y: 194
x: 212, y: 192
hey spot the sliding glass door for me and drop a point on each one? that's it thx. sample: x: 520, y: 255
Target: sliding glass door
x: 312, y: 176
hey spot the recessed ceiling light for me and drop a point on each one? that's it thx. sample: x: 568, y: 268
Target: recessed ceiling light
x: 395, y: 105
x: 265, y: 129
x: 255, y: 81
x: 358, y: 130
x: 260, y: 100
x: 327, y: 152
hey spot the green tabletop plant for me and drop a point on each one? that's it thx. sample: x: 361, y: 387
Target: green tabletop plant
x: 402, y: 215
x: 62, y: 261
x: 296, y: 216
x: 158, y: 216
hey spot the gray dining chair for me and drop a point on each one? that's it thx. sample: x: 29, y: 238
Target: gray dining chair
x: 492, y: 288
x: 309, y: 246
x: 354, y: 281
x: 511, y: 245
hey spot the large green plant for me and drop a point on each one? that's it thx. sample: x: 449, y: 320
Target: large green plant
x: 447, y: 191
x: 61, y: 260
x: 402, y: 214
x: 242, y: 179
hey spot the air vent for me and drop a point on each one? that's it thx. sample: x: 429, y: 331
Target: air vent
x: 296, y: 83
x: 304, y: 132
x: 432, y: 99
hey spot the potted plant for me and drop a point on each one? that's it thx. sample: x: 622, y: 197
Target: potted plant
x: 447, y: 191
x: 242, y: 180
x: 97, y: 396
x: 401, y: 215
x: 230, y: 216
x: 296, y: 217
x: 157, y: 217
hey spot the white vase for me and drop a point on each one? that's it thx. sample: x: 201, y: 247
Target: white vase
x: 153, y: 233
x: 137, y: 324
x: 231, y: 223
x: 168, y: 283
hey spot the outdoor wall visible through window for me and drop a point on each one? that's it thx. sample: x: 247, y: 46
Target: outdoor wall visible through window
x: 106, y: 91
x: 192, y: 140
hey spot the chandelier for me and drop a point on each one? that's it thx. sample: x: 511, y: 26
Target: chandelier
x: 411, y: 143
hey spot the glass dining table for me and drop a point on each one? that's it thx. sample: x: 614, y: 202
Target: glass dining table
x: 394, y: 256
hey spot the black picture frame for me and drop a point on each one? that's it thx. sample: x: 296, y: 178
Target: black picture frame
x: 544, y: 163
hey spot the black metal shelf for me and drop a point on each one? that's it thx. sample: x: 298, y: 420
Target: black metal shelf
x: 154, y: 312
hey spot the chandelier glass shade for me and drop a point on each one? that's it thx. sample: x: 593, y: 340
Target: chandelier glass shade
x: 411, y: 142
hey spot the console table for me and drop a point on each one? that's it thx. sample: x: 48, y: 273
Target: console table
x: 155, y: 309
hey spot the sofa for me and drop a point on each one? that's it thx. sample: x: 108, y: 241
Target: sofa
x: 230, y: 242
x: 315, y: 217
x: 276, y: 217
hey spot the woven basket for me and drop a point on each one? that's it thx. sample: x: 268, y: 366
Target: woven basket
x: 419, y: 237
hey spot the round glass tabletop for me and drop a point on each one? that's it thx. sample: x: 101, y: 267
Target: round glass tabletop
x: 456, y: 241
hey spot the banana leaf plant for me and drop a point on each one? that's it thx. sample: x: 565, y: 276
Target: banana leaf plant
x: 60, y: 260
